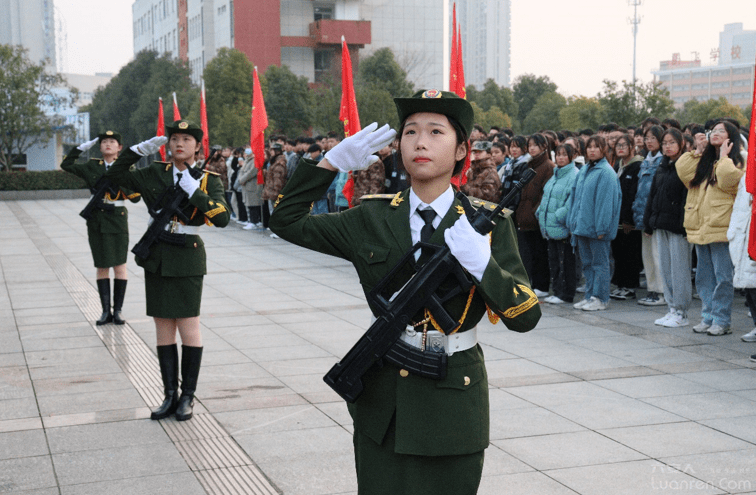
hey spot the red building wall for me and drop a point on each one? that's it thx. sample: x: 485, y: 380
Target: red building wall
x: 257, y: 31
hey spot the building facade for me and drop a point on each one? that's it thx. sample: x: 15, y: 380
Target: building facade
x: 305, y: 35
x: 486, y: 28
x: 732, y: 77
x: 31, y: 24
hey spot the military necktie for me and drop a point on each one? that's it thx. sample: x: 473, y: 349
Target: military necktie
x: 427, y: 231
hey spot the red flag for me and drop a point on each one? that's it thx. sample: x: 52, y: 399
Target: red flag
x: 461, y: 179
x: 751, y: 176
x: 259, y: 124
x: 348, y: 113
x: 203, y: 122
x: 176, y: 113
x: 161, y: 127
x: 461, y: 91
x: 453, y: 57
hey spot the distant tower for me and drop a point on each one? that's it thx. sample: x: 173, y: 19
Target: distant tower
x: 634, y: 21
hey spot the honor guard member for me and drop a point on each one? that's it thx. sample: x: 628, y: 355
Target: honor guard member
x: 173, y: 273
x: 107, y: 222
x: 412, y: 434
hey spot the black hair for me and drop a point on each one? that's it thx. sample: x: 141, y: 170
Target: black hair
x: 504, y: 139
x: 508, y: 131
x: 319, y: 137
x: 567, y: 133
x: 332, y: 134
x: 571, y: 152
x: 689, y: 140
x: 611, y: 127
x: 711, y: 155
x: 674, y: 123
x: 560, y: 136
x: 291, y: 142
x: 697, y: 129
x: 479, y: 128
x: 314, y: 147
x: 586, y: 132
x: 580, y: 148
x: 308, y: 140
x: 501, y: 145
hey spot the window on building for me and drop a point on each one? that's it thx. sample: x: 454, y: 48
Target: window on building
x: 323, y: 59
x: 720, y: 73
x: 740, y: 96
x: 699, y: 86
x: 722, y: 84
x: 743, y: 70
x: 664, y: 77
x: 685, y: 75
x: 324, y: 11
x: 741, y: 82
x: 681, y: 87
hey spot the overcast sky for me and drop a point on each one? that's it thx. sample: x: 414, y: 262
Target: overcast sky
x: 577, y: 43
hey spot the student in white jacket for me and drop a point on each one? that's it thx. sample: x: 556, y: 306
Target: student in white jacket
x: 745, y: 267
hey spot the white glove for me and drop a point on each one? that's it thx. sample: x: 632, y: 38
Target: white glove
x: 472, y: 250
x: 356, y: 152
x: 87, y: 145
x: 188, y: 183
x: 150, y: 146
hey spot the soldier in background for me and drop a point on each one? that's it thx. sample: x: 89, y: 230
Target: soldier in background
x: 174, y: 270
x: 108, y: 227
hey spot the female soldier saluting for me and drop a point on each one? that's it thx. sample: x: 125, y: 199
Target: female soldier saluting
x: 412, y: 434
x: 171, y: 269
x: 107, y: 223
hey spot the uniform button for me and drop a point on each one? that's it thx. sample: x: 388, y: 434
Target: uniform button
x: 122, y: 213
x: 195, y: 244
x: 404, y: 373
x: 371, y: 255
x: 467, y: 381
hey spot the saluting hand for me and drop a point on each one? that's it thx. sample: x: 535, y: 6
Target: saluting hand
x: 356, y: 151
x: 150, y: 146
x: 85, y: 146
x: 472, y: 250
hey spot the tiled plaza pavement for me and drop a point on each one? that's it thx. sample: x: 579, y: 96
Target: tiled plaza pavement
x: 602, y: 403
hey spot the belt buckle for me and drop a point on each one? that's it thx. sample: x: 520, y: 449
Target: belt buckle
x: 174, y: 226
x: 435, y: 343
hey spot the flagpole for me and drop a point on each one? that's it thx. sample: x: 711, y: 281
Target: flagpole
x: 161, y: 126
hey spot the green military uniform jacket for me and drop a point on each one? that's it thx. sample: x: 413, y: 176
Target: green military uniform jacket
x: 433, y: 418
x: 207, y: 206
x: 103, y: 223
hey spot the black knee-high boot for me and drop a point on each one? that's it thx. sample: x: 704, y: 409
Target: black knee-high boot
x: 119, y: 292
x: 103, y: 286
x: 191, y: 358
x: 168, y: 358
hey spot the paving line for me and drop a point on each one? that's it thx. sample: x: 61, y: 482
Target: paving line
x: 219, y: 463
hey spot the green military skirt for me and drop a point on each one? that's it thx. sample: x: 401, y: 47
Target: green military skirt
x: 108, y: 235
x: 381, y: 471
x: 172, y: 297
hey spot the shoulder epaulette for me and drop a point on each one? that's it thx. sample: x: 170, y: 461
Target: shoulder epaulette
x: 481, y: 203
x: 163, y: 163
x: 211, y: 172
x: 377, y: 196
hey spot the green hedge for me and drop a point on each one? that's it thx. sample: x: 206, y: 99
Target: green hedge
x: 39, y: 181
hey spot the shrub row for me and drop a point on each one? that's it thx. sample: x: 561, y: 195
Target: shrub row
x: 39, y: 181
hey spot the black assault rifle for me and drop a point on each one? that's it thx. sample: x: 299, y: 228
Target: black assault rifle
x: 97, y: 202
x: 171, y: 199
x: 421, y: 291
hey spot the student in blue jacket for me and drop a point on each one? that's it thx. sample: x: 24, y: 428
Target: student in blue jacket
x: 593, y: 218
x: 552, y: 219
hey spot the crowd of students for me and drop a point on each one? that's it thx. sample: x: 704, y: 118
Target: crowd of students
x: 605, y: 206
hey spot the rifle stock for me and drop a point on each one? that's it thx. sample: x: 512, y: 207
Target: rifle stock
x: 421, y: 291
x: 172, y: 198
x: 96, y: 202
